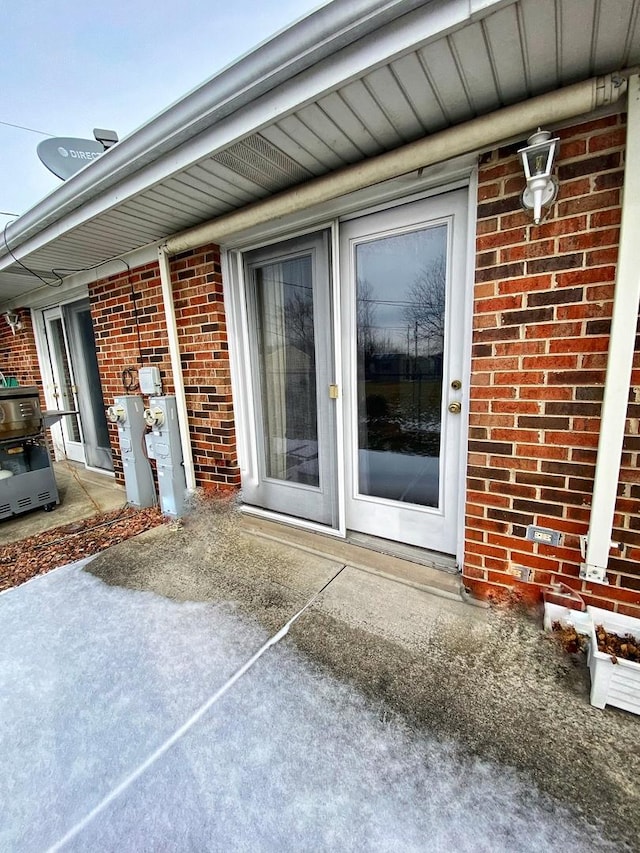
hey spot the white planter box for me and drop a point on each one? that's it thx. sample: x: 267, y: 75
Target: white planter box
x: 618, y: 683
x: 566, y: 616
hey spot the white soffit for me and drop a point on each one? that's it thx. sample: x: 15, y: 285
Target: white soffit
x: 437, y: 65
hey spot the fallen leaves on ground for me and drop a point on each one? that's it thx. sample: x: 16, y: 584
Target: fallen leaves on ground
x: 38, y: 554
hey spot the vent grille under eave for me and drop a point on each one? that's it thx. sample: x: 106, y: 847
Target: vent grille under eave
x: 261, y: 162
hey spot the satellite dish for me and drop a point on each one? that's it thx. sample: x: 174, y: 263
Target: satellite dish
x: 64, y: 156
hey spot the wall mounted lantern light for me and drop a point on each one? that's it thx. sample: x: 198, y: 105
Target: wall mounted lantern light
x: 537, y: 160
x: 13, y: 321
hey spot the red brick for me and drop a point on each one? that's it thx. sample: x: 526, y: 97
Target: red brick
x: 487, y: 191
x: 525, y: 284
x: 517, y: 220
x: 570, y: 189
x: 602, y: 256
x: 589, y: 240
x: 558, y: 227
x: 499, y: 303
x: 586, y: 276
x: 573, y: 148
x: 589, y: 127
x: 612, y: 139
x: 584, y: 204
x: 488, y: 239
x: 600, y: 218
x: 524, y: 251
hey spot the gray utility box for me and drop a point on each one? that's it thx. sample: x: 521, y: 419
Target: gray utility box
x: 166, y: 449
x: 31, y: 483
x: 128, y: 413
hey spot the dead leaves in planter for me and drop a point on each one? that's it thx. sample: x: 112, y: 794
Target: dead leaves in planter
x: 38, y: 554
x: 571, y: 641
x: 626, y: 647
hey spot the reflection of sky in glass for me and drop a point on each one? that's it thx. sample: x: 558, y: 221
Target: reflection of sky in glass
x: 387, y: 270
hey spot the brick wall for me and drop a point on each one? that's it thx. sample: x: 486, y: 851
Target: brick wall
x: 543, y: 304
x: 18, y: 356
x: 130, y: 330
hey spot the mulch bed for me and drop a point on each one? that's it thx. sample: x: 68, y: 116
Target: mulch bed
x: 38, y: 554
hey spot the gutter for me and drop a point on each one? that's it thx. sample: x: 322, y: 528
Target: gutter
x: 470, y: 137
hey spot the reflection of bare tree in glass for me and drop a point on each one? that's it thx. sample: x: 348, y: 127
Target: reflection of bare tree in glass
x: 374, y: 347
x: 425, y: 311
x: 425, y: 317
x: 299, y: 313
x: 366, y: 322
x: 371, y: 341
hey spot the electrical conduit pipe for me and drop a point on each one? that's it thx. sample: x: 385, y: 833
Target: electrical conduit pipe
x: 621, y: 351
x: 176, y: 368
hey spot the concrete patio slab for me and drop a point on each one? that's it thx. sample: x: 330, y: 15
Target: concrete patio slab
x: 114, y: 755
x: 488, y: 679
x: 484, y: 685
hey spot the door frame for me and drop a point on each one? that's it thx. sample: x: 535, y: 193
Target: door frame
x: 240, y: 358
x: 339, y: 211
x: 48, y: 379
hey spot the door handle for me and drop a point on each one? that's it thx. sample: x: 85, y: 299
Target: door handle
x: 455, y: 407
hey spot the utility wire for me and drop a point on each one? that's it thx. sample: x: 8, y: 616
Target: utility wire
x: 24, y: 267
x: 28, y: 129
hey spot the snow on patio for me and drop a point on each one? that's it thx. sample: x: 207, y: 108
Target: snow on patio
x: 94, y: 678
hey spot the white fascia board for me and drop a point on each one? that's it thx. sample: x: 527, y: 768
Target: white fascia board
x: 137, y: 162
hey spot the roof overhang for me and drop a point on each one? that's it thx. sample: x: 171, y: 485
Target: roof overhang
x: 348, y: 82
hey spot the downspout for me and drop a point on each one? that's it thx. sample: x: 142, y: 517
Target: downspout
x: 620, y: 360
x: 176, y: 367
x: 470, y: 137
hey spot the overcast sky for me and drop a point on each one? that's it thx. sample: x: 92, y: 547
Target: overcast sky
x: 69, y: 67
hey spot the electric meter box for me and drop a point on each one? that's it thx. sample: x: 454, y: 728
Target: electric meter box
x: 149, y: 380
x: 128, y: 413
x: 166, y: 449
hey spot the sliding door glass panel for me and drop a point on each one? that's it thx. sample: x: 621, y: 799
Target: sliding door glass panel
x: 87, y: 344
x: 287, y: 365
x: 62, y: 377
x: 400, y: 317
x: 95, y: 433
